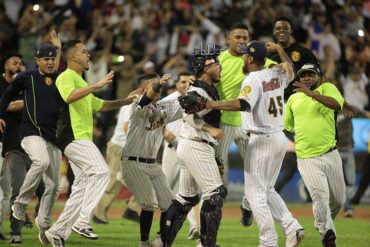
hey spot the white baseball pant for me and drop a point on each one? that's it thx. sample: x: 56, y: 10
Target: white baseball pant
x: 46, y: 161
x: 323, y: 177
x: 91, y: 177
x: 148, y: 184
x: 263, y: 161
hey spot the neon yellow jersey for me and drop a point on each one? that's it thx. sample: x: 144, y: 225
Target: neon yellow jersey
x: 229, y: 86
x: 313, y: 123
x: 232, y: 76
x: 80, y: 112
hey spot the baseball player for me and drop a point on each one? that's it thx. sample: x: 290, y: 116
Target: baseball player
x: 170, y: 163
x: 261, y: 100
x: 195, y: 151
x: 311, y: 114
x: 76, y: 104
x: 114, y: 153
x: 38, y: 132
x: 140, y: 172
x: 232, y: 76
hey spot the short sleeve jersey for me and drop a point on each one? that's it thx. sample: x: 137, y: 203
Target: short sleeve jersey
x: 77, y: 117
x: 314, y: 124
x: 264, y: 91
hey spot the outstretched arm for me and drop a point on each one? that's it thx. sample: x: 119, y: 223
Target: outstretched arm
x: 109, y: 105
x: 80, y: 93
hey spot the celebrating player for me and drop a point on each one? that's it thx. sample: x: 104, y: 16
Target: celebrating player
x: 310, y: 113
x: 261, y: 100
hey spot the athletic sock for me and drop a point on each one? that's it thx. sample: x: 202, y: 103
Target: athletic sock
x: 146, y: 219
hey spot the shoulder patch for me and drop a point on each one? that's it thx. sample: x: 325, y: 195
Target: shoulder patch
x: 246, y: 91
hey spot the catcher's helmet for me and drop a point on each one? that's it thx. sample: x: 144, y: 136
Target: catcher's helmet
x: 204, y: 57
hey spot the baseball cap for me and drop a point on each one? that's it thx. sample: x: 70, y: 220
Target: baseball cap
x: 309, y: 67
x: 256, y: 49
x: 46, y: 50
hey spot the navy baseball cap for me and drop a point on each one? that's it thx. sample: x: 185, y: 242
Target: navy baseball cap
x: 46, y: 50
x: 309, y: 67
x: 256, y: 49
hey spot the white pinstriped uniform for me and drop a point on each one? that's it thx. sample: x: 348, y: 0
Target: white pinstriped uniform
x: 324, y: 173
x: 46, y: 160
x: 264, y: 91
x: 91, y: 177
x: 199, y: 169
x: 145, y: 133
x: 171, y: 164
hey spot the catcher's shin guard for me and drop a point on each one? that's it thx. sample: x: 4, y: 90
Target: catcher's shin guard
x: 176, y: 215
x: 210, y: 217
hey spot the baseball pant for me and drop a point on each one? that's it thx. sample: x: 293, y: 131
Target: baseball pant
x: 263, y: 161
x: 349, y: 170
x: 199, y: 170
x: 91, y: 178
x: 5, y: 189
x: 171, y: 169
x: 148, y: 184
x: 240, y: 138
x: 17, y: 164
x: 46, y: 161
x: 114, y: 153
x: 323, y: 176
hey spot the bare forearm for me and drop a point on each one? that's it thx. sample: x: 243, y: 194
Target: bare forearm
x: 327, y: 101
x: 80, y: 93
x: 233, y: 105
x: 16, y: 105
x: 111, y: 105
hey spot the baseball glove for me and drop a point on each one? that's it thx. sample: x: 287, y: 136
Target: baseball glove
x: 192, y: 102
x: 221, y: 166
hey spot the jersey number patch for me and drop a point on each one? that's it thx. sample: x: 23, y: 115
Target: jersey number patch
x: 276, y: 106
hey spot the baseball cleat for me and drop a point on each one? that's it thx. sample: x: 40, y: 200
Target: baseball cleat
x: 157, y: 242
x: 15, y: 239
x: 295, y: 238
x: 19, y: 211
x: 42, y: 237
x: 85, y: 232
x: 54, y: 240
x: 329, y: 239
x: 247, y: 217
x: 194, y: 233
x: 132, y: 215
x: 144, y: 244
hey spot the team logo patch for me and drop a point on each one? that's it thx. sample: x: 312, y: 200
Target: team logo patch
x: 48, y: 80
x: 295, y: 56
x: 246, y: 91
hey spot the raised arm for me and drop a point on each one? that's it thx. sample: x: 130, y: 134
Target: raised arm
x: 54, y: 39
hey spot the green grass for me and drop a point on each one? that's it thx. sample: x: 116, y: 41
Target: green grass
x: 122, y: 233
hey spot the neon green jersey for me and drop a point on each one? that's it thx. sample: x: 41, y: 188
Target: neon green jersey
x: 312, y: 122
x: 80, y: 112
x: 229, y: 86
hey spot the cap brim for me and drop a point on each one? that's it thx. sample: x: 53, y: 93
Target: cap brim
x: 243, y: 48
x: 306, y: 70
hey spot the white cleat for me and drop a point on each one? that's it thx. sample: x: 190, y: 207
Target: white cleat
x: 295, y: 238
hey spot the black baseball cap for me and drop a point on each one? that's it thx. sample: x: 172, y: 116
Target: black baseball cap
x: 309, y: 67
x: 46, y: 50
x: 256, y: 49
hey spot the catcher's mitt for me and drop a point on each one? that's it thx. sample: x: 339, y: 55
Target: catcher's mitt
x: 192, y: 102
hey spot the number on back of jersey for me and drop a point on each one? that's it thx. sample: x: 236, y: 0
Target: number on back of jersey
x: 276, y: 106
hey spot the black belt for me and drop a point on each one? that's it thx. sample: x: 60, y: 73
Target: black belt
x: 142, y: 160
x: 331, y: 149
x: 209, y: 143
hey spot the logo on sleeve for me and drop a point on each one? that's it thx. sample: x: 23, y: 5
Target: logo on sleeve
x: 246, y: 91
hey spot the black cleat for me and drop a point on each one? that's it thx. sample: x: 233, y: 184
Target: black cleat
x: 247, y: 217
x: 329, y: 239
x: 132, y: 215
